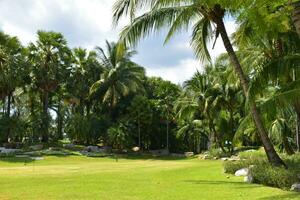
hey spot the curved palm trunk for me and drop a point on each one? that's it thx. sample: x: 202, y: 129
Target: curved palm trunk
x: 296, y: 16
x: 273, y: 157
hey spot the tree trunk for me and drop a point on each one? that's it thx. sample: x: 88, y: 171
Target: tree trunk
x: 139, y: 130
x: 297, y: 135
x: 296, y: 16
x: 167, y: 134
x: 45, y: 120
x: 272, y: 155
x: 8, y: 114
x: 59, y: 122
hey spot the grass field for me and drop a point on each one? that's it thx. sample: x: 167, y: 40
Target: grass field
x: 78, y: 177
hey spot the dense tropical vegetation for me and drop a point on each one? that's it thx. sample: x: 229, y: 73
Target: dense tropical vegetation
x: 246, y: 98
x: 50, y: 92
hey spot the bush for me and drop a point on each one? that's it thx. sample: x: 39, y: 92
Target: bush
x: 269, y: 175
x: 218, y: 153
x: 263, y: 172
x: 247, y: 159
x: 7, y: 155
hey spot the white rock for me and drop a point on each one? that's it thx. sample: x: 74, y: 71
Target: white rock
x: 295, y: 187
x: 92, y: 148
x: 242, y: 172
x: 248, y: 179
x: 188, y: 154
x: 224, y: 159
x: 22, y: 156
x: 136, y: 149
x: 37, y: 158
x: 7, y: 151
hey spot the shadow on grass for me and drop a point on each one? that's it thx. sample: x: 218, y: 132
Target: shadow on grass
x: 290, y: 196
x: 208, y: 182
x: 150, y: 157
x: 24, y: 160
x: 28, y: 158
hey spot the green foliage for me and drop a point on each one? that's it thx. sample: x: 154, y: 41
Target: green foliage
x: 118, y: 136
x: 218, y: 153
x: 263, y: 172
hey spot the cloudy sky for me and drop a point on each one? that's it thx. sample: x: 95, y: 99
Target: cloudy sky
x: 88, y: 23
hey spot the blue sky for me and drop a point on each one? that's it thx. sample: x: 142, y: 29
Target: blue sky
x: 87, y: 23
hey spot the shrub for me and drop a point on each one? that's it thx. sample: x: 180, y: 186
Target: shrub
x: 232, y: 166
x: 269, y: 175
x: 263, y: 172
x: 5, y: 155
x: 218, y: 153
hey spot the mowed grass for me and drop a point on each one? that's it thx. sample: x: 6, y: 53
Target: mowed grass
x: 136, y: 178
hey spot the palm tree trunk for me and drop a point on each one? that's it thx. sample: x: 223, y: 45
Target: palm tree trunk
x: 45, y: 120
x: 139, y: 130
x: 167, y: 134
x: 272, y: 155
x: 8, y: 114
x: 297, y: 109
x: 59, y: 121
x: 296, y: 16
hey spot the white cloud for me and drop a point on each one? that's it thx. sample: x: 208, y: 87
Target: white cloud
x: 219, y: 47
x: 176, y: 74
x: 83, y: 22
x: 88, y: 23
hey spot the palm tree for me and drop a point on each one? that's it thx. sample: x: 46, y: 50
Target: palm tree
x: 179, y: 14
x: 12, y: 73
x: 276, y: 57
x: 49, y: 58
x: 121, y: 76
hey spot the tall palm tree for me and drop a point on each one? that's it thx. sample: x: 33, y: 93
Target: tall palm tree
x: 178, y: 15
x: 121, y: 76
x: 49, y: 58
x: 13, y: 71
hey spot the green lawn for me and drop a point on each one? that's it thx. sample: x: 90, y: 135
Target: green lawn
x: 78, y: 177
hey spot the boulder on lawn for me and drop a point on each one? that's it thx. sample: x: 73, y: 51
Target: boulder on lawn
x: 136, y: 149
x: 189, y: 154
x: 234, y: 158
x: 204, y: 157
x: 242, y: 172
x: 224, y: 159
x: 248, y: 179
x: 295, y: 187
x: 37, y: 147
x: 8, y: 151
x: 92, y: 149
x: 36, y: 158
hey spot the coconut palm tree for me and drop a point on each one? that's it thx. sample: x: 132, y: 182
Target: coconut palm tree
x: 121, y: 76
x: 207, y: 19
